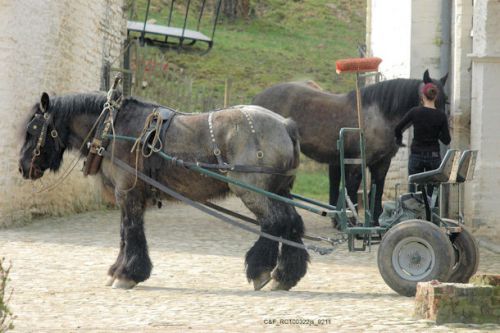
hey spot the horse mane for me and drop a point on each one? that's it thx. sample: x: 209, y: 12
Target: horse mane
x: 67, y: 106
x: 393, y: 97
x: 134, y: 101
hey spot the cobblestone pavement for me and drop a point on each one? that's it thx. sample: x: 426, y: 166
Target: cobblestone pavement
x: 198, y: 282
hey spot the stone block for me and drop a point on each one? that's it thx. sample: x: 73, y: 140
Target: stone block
x: 485, y: 280
x: 475, y: 303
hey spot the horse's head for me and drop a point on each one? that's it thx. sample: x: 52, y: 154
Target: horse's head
x: 442, y: 98
x: 43, y: 146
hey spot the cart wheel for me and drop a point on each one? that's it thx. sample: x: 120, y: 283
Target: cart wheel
x: 414, y: 251
x: 467, y: 257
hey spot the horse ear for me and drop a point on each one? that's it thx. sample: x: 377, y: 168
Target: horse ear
x: 45, y: 101
x: 443, y: 79
x: 427, y: 77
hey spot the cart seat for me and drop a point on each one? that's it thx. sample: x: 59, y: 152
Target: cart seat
x: 446, y: 172
x: 466, y: 166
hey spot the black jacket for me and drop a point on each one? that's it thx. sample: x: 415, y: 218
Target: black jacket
x: 429, y: 126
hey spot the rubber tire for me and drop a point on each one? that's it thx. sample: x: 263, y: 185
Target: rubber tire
x: 439, y: 242
x: 467, y: 257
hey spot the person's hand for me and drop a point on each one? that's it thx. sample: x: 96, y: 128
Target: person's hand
x: 400, y: 143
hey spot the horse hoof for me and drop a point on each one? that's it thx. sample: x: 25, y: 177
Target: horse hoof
x: 124, y: 284
x: 261, y: 281
x: 276, y: 286
x: 110, y: 281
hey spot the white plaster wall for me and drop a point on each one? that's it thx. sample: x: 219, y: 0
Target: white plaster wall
x: 56, y: 46
x: 485, y: 117
x: 425, y: 38
x: 390, y: 31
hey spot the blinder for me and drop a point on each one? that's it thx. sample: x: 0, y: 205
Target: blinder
x: 39, y: 126
x: 35, y: 126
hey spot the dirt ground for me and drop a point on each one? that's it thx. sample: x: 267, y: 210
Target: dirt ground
x: 198, y: 281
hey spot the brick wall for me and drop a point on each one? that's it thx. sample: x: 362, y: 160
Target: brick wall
x: 58, y: 46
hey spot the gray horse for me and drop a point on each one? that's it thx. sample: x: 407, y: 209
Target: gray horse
x: 245, y: 135
x: 320, y: 116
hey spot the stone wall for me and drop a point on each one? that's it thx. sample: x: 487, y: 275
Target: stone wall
x: 58, y: 46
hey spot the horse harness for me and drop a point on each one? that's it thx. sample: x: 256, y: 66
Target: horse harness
x: 155, y: 130
x: 152, y: 140
x: 38, y: 127
x: 216, y: 149
x: 105, y: 124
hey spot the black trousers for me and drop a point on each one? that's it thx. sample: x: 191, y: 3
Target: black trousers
x: 420, y: 162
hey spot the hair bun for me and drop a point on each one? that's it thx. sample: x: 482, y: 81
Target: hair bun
x: 430, y: 91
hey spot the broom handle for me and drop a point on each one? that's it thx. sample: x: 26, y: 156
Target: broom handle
x: 358, y: 103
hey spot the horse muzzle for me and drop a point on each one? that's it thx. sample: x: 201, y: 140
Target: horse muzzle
x: 32, y: 173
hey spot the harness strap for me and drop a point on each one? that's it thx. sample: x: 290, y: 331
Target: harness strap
x: 100, y: 142
x: 239, y: 168
x: 124, y: 166
x: 215, y: 148
x: 154, y: 131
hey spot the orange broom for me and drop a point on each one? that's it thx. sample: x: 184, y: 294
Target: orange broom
x: 358, y: 65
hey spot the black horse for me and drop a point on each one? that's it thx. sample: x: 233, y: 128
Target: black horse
x: 245, y: 135
x: 321, y: 115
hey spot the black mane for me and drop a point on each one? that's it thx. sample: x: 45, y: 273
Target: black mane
x: 394, y: 97
x: 135, y: 102
x: 67, y: 106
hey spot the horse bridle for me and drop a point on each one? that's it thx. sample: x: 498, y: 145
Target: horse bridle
x: 38, y: 127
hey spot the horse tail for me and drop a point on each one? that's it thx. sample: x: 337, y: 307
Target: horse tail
x: 293, y: 133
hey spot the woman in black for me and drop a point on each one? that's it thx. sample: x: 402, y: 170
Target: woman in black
x: 429, y: 126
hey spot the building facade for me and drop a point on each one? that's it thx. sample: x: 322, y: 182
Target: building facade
x: 462, y: 38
